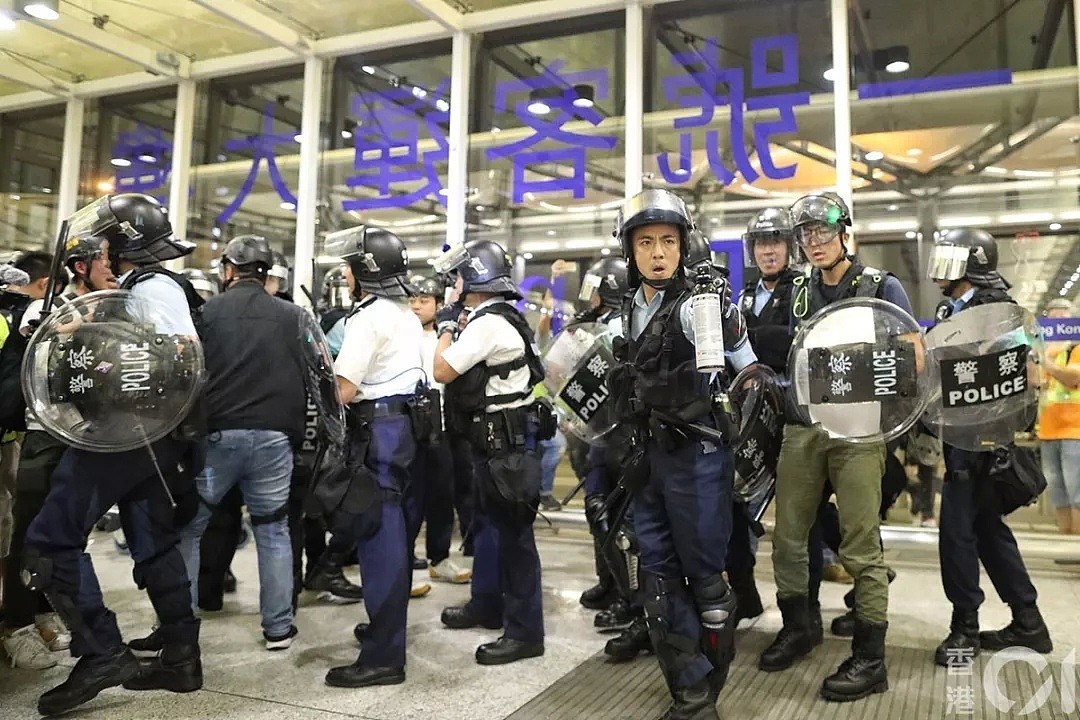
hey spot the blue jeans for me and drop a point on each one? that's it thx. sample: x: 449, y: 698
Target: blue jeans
x: 1061, y: 465
x: 552, y: 450
x: 261, y: 461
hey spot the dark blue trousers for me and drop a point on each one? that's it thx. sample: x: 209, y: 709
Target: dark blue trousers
x: 969, y: 534
x: 430, y: 498
x: 384, y: 569
x: 683, y: 523
x: 506, y: 569
x: 84, y: 486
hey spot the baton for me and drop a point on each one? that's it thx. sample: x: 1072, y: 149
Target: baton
x: 54, y: 270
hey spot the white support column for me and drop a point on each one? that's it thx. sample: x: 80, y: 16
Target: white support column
x: 180, y: 177
x: 307, y: 195
x: 457, y: 180
x: 634, y: 112
x: 68, y: 192
x: 842, y: 98
x: 1076, y: 31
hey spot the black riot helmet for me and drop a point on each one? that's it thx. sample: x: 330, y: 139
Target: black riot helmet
x: 651, y: 207
x: 824, y: 211
x: 251, y: 254
x: 377, y: 257
x: 770, y: 225
x: 698, y: 253
x: 136, y: 226
x: 488, y: 270
x: 966, y: 253
x: 608, y: 278
x: 425, y: 285
x: 84, y: 248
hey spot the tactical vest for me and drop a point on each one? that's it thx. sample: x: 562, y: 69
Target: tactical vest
x: 859, y: 281
x: 662, y: 361
x: 777, y: 310
x: 468, y: 393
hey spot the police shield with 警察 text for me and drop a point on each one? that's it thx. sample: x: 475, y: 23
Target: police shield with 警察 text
x: 490, y: 368
x: 982, y: 344
x: 680, y: 468
x: 141, y: 362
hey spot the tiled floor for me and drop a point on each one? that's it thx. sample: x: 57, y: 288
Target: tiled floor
x: 244, y: 682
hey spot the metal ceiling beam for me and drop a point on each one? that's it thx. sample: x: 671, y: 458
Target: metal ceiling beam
x: 18, y: 73
x: 536, y: 11
x: 260, y: 24
x: 441, y: 13
x: 1044, y: 43
x: 154, y: 61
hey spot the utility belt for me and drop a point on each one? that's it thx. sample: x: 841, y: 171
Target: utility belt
x: 673, y: 433
x: 365, y: 411
x: 509, y: 430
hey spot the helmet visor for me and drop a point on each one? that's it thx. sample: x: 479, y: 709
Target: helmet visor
x: 95, y: 220
x: 658, y: 203
x: 818, y: 209
x: 280, y: 272
x: 589, y: 284
x: 947, y: 262
x: 345, y: 243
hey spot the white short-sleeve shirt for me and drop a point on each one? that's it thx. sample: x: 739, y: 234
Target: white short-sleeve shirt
x: 381, y: 351
x: 493, y: 340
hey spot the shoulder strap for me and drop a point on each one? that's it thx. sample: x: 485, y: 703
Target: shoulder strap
x: 528, y: 359
x: 195, y: 301
x: 870, y: 282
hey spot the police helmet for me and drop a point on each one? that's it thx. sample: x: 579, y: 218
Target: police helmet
x: 377, y: 257
x: 607, y: 277
x: 488, y: 270
x: 651, y: 207
x: 84, y: 248
x: 967, y: 253
x: 136, y: 226
x: 424, y: 285
x: 335, y: 288
x: 280, y: 267
x: 205, y: 284
x: 251, y: 253
x: 768, y: 225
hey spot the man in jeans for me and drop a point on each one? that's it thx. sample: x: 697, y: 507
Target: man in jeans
x: 255, y: 402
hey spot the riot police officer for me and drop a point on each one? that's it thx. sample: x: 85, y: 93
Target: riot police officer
x: 765, y: 303
x: 85, y: 484
x: 683, y: 468
x: 431, y: 491
x: 277, y: 277
x: 809, y: 458
x: 971, y: 528
x: 378, y: 372
x: 491, y: 368
x: 206, y: 285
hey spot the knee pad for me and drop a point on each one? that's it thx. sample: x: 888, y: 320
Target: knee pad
x: 714, y: 599
x: 37, y: 574
x: 277, y: 516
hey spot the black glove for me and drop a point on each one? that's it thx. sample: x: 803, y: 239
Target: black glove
x: 447, y: 317
x: 596, y: 514
x: 944, y: 310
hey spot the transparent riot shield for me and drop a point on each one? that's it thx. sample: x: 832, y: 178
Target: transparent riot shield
x: 987, y: 360
x: 107, y: 372
x: 577, y: 363
x: 321, y: 383
x: 859, y: 371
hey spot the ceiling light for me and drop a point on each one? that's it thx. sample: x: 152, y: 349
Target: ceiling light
x: 995, y: 170
x: 286, y: 205
x: 480, y: 208
x: 914, y: 152
x: 893, y: 208
x: 298, y: 138
x: 898, y: 66
x: 368, y: 69
x: 1074, y: 277
x: 442, y: 105
x: 42, y: 9
x: 105, y: 186
x: 605, y: 252
x: 875, y: 155
x: 495, y: 129
x: 1063, y: 291
x: 583, y: 96
x: 16, y: 197
x: 550, y: 232
x: 1055, y: 226
x: 539, y: 107
x: 215, y: 231
x: 829, y: 74
x: 46, y: 190
x: 346, y: 134
x: 910, y: 234
x: 148, y: 158
x: 419, y: 92
x: 6, y: 21
x: 120, y: 162
x: 213, y: 246
x: 527, y: 256
x: 444, y: 192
